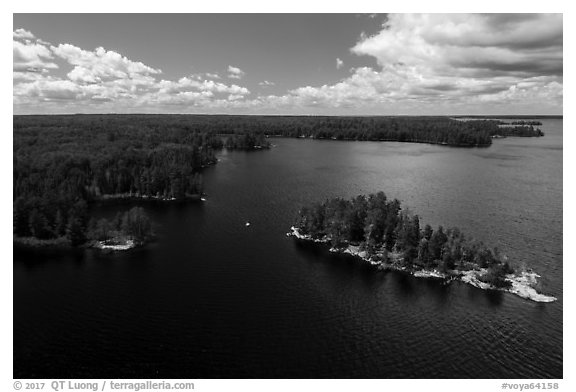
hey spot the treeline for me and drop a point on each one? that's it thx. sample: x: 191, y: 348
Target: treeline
x: 519, y: 131
x: 524, y: 122
x: 247, y: 142
x: 427, y: 129
x: 380, y: 227
x: 133, y: 225
x: 430, y: 129
x: 434, y: 130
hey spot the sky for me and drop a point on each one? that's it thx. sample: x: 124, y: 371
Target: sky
x: 313, y: 64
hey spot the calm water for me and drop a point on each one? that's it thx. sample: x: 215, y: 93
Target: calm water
x: 214, y: 298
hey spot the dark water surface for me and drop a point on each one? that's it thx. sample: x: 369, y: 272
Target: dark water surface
x: 214, y: 298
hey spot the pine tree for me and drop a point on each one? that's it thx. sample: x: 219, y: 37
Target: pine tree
x: 136, y: 224
x: 59, y: 224
x: 75, y: 231
x: 20, y: 218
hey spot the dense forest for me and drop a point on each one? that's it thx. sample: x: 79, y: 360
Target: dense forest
x: 130, y: 227
x: 518, y: 131
x: 524, y: 122
x: 63, y: 163
x: 246, y: 142
x: 386, y: 233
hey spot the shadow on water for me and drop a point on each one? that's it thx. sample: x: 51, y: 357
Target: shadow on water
x: 319, y: 253
x: 33, y: 258
x: 309, y: 248
x: 155, y: 208
x: 406, y: 285
x: 492, y: 297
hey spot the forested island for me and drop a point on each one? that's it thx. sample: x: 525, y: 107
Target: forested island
x: 64, y: 163
x: 377, y: 230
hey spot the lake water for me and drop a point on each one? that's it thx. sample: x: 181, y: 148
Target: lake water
x: 214, y: 298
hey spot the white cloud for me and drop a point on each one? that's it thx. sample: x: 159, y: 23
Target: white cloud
x: 108, y: 80
x: 188, y: 84
x: 100, y: 65
x: 31, y: 57
x: 23, y: 34
x: 235, y: 97
x: 184, y: 98
x: 425, y: 64
x: 209, y: 85
x: 468, y: 45
x: 46, y: 89
x: 23, y: 76
x: 235, y: 72
x: 450, y: 59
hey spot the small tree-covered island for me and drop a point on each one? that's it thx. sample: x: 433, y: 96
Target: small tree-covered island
x: 378, y: 231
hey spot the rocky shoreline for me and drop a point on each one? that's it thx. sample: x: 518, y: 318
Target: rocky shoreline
x: 521, y: 284
x: 138, y: 196
x: 115, y: 244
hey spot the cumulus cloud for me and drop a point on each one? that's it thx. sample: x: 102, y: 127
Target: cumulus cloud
x: 451, y: 58
x: 23, y: 34
x: 100, y: 65
x: 235, y: 72
x: 425, y: 64
x: 106, y: 79
x: 49, y: 89
x: 31, y: 57
x: 189, y: 84
x: 469, y: 45
x: 209, y: 85
x: 235, y: 97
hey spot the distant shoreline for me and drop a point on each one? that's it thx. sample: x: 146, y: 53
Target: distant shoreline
x: 62, y: 243
x: 509, y: 116
x: 138, y: 197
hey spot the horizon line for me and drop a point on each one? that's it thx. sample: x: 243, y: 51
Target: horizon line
x: 290, y: 115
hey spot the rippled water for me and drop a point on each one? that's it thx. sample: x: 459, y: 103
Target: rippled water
x: 215, y: 298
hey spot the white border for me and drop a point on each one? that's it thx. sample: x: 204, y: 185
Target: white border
x: 302, y: 6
